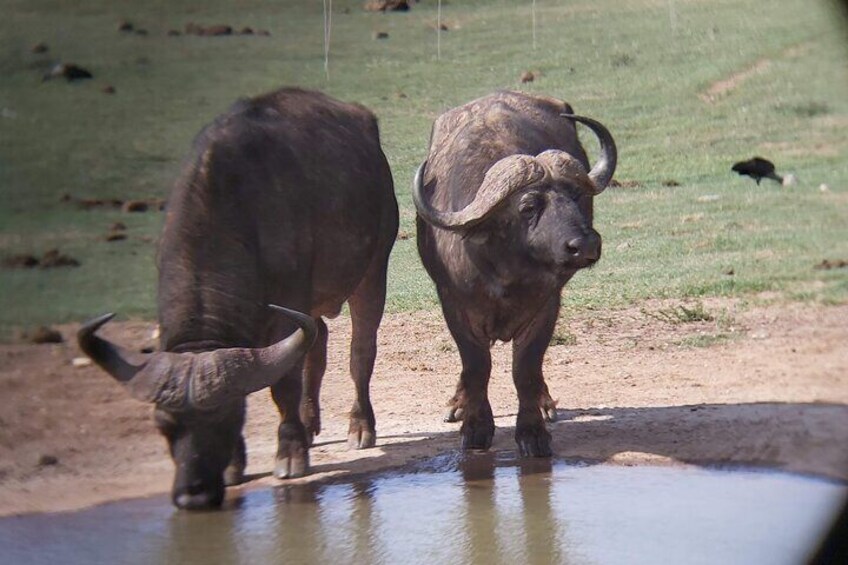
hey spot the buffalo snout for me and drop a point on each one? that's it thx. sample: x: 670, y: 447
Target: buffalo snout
x: 201, y: 451
x: 584, y: 250
x: 198, y: 496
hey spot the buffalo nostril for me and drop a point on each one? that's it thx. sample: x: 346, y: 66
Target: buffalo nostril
x: 584, y: 249
x: 575, y: 247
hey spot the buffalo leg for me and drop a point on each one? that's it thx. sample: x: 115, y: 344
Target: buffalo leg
x: 548, y: 404
x: 234, y: 473
x: 292, y: 447
x: 528, y: 352
x: 366, y: 311
x: 313, y: 374
x: 456, y: 405
x: 478, y: 422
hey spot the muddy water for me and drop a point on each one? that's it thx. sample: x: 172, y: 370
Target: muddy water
x: 480, y: 509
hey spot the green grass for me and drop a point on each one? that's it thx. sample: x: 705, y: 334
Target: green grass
x: 562, y: 337
x: 636, y: 65
x: 706, y: 340
x: 681, y: 314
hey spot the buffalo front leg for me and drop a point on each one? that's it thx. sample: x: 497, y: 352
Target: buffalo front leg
x: 478, y: 422
x: 292, y: 445
x: 472, y: 392
x: 313, y: 374
x: 528, y: 352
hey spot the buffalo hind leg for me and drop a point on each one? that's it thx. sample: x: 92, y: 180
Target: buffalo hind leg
x: 547, y: 404
x: 234, y: 473
x: 456, y: 405
x: 366, y: 312
x: 313, y: 373
x: 528, y: 352
x: 292, y: 447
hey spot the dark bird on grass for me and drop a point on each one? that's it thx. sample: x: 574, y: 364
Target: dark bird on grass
x: 69, y: 71
x: 758, y: 169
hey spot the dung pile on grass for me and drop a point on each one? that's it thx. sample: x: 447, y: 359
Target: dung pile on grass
x: 387, y: 6
x: 51, y: 259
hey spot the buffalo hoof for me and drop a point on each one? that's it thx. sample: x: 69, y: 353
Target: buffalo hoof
x: 311, y: 432
x: 456, y: 407
x: 477, y: 437
x: 310, y: 415
x: 533, y: 441
x: 310, y: 435
x: 360, y: 435
x: 291, y: 467
x: 233, y: 475
x: 477, y: 432
x: 454, y: 414
x: 362, y: 432
x: 292, y: 452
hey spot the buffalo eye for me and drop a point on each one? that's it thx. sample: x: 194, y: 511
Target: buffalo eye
x: 531, y: 205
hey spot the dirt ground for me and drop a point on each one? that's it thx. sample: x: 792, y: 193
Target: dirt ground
x: 764, y: 386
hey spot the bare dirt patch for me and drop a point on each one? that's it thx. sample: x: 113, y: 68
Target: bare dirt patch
x: 767, y: 386
x: 721, y: 88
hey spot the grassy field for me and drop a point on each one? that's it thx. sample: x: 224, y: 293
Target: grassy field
x: 644, y: 67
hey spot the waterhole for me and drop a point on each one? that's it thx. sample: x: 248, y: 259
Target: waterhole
x: 459, y: 509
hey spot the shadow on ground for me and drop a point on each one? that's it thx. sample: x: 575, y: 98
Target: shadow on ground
x: 809, y: 438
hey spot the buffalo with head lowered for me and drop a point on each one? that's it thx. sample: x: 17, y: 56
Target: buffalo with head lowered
x: 286, y: 199
x: 504, y: 204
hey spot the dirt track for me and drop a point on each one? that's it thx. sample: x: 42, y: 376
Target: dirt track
x: 775, y: 394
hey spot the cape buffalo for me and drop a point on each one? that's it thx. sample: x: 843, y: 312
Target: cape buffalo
x: 287, y: 198
x: 504, y: 205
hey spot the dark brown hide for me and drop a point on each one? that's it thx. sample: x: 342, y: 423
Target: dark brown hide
x: 286, y: 199
x: 501, y: 260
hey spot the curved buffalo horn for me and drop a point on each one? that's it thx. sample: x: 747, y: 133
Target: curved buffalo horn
x: 502, y: 179
x: 146, y: 383
x: 562, y: 165
x: 236, y: 372
x: 601, y: 173
x: 199, y: 381
x: 121, y: 363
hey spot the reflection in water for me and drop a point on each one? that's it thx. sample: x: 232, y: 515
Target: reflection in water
x: 179, y: 545
x: 540, y: 523
x: 508, y: 519
x: 480, y: 520
x: 483, y: 508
